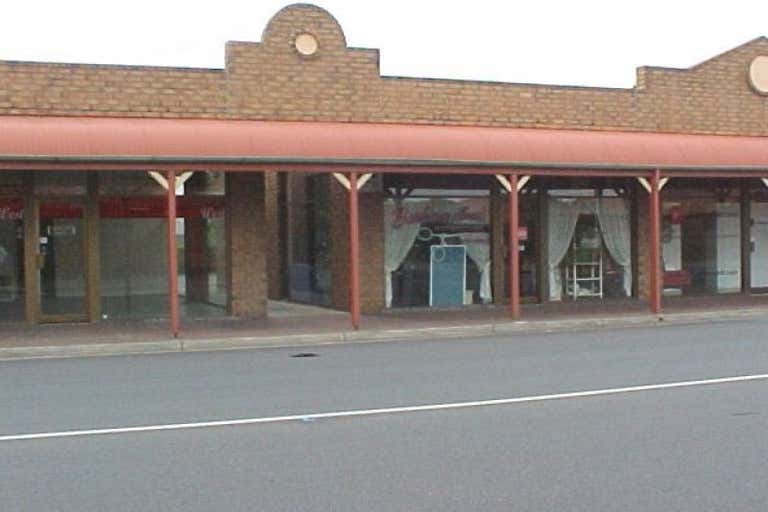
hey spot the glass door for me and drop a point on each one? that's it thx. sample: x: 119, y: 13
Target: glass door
x: 62, y: 261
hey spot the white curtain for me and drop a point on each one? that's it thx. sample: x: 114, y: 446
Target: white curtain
x: 479, y: 251
x: 399, y: 238
x: 613, y: 215
x: 562, y: 217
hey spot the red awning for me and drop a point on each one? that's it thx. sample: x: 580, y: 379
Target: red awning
x: 106, y: 139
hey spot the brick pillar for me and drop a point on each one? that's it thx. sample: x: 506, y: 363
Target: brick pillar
x: 371, y: 249
x: 246, y: 243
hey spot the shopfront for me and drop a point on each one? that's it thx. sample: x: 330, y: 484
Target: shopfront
x: 392, y: 193
x: 443, y: 241
x: 96, y: 246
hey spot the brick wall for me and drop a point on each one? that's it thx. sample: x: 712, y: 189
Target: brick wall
x: 246, y: 240
x: 270, y: 80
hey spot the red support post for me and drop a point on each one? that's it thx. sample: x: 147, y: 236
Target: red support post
x: 514, y: 248
x: 173, y: 263
x: 354, y: 253
x: 654, y: 245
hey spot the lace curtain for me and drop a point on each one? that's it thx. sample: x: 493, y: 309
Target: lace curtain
x: 562, y: 216
x: 613, y: 216
x: 399, y: 238
x: 479, y: 251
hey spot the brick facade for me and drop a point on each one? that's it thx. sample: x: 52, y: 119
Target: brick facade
x: 270, y: 80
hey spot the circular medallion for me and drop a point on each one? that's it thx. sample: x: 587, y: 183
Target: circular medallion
x: 758, y: 74
x: 306, y: 44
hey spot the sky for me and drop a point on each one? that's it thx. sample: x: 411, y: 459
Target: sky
x: 578, y: 42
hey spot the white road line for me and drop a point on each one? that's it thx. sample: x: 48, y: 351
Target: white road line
x: 388, y: 410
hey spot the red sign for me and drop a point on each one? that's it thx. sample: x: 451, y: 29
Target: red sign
x: 675, y: 215
x: 155, y: 207
x: 11, y: 209
x: 120, y: 207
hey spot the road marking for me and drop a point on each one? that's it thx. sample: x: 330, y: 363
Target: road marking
x: 388, y: 410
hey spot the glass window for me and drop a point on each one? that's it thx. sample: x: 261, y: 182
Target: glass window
x: 134, y: 251
x: 758, y: 241
x: 423, y: 238
x: 527, y: 236
x: 11, y: 260
x: 589, y: 245
x: 309, y: 243
x: 701, y: 242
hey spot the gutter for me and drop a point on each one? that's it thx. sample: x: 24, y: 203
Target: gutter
x: 529, y: 166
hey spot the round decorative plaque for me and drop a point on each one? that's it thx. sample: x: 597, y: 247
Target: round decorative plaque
x: 758, y: 74
x: 306, y: 44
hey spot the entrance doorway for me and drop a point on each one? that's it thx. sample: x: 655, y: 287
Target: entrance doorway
x: 61, y: 261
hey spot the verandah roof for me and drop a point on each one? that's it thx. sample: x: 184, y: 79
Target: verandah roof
x: 35, y: 142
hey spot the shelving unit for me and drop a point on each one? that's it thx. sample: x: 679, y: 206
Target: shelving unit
x: 584, y: 275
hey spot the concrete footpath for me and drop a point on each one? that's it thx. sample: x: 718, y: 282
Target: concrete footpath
x: 162, y: 344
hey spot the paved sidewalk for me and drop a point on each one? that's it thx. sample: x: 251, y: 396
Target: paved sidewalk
x: 291, y: 325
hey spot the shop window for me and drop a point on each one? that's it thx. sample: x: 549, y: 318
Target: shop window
x: 528, y: 232
x: 758, y: 240
x: 309, y: 241
x: 134, y: 251
x: 11, y: 260
x: 701, y: 243
x: 589, y: 246
x: 437, y: 251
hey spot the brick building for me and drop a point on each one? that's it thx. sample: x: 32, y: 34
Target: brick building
x: 130, y: 191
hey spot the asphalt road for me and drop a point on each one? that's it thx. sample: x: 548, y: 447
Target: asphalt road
x: 695, y: 448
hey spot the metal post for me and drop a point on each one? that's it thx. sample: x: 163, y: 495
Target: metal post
x: 173, y: 264
x: 354, y: 253
x: 514, y: 248
x: 654, y: 253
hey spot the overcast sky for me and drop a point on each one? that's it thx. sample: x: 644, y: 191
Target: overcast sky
x: 578, y: 42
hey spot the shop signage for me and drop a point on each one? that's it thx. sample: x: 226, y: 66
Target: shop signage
x: 11, y: 210
x: 63, y: 230
x: 452, y: 213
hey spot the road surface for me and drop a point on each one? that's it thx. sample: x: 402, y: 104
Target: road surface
x: 699, y: 445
